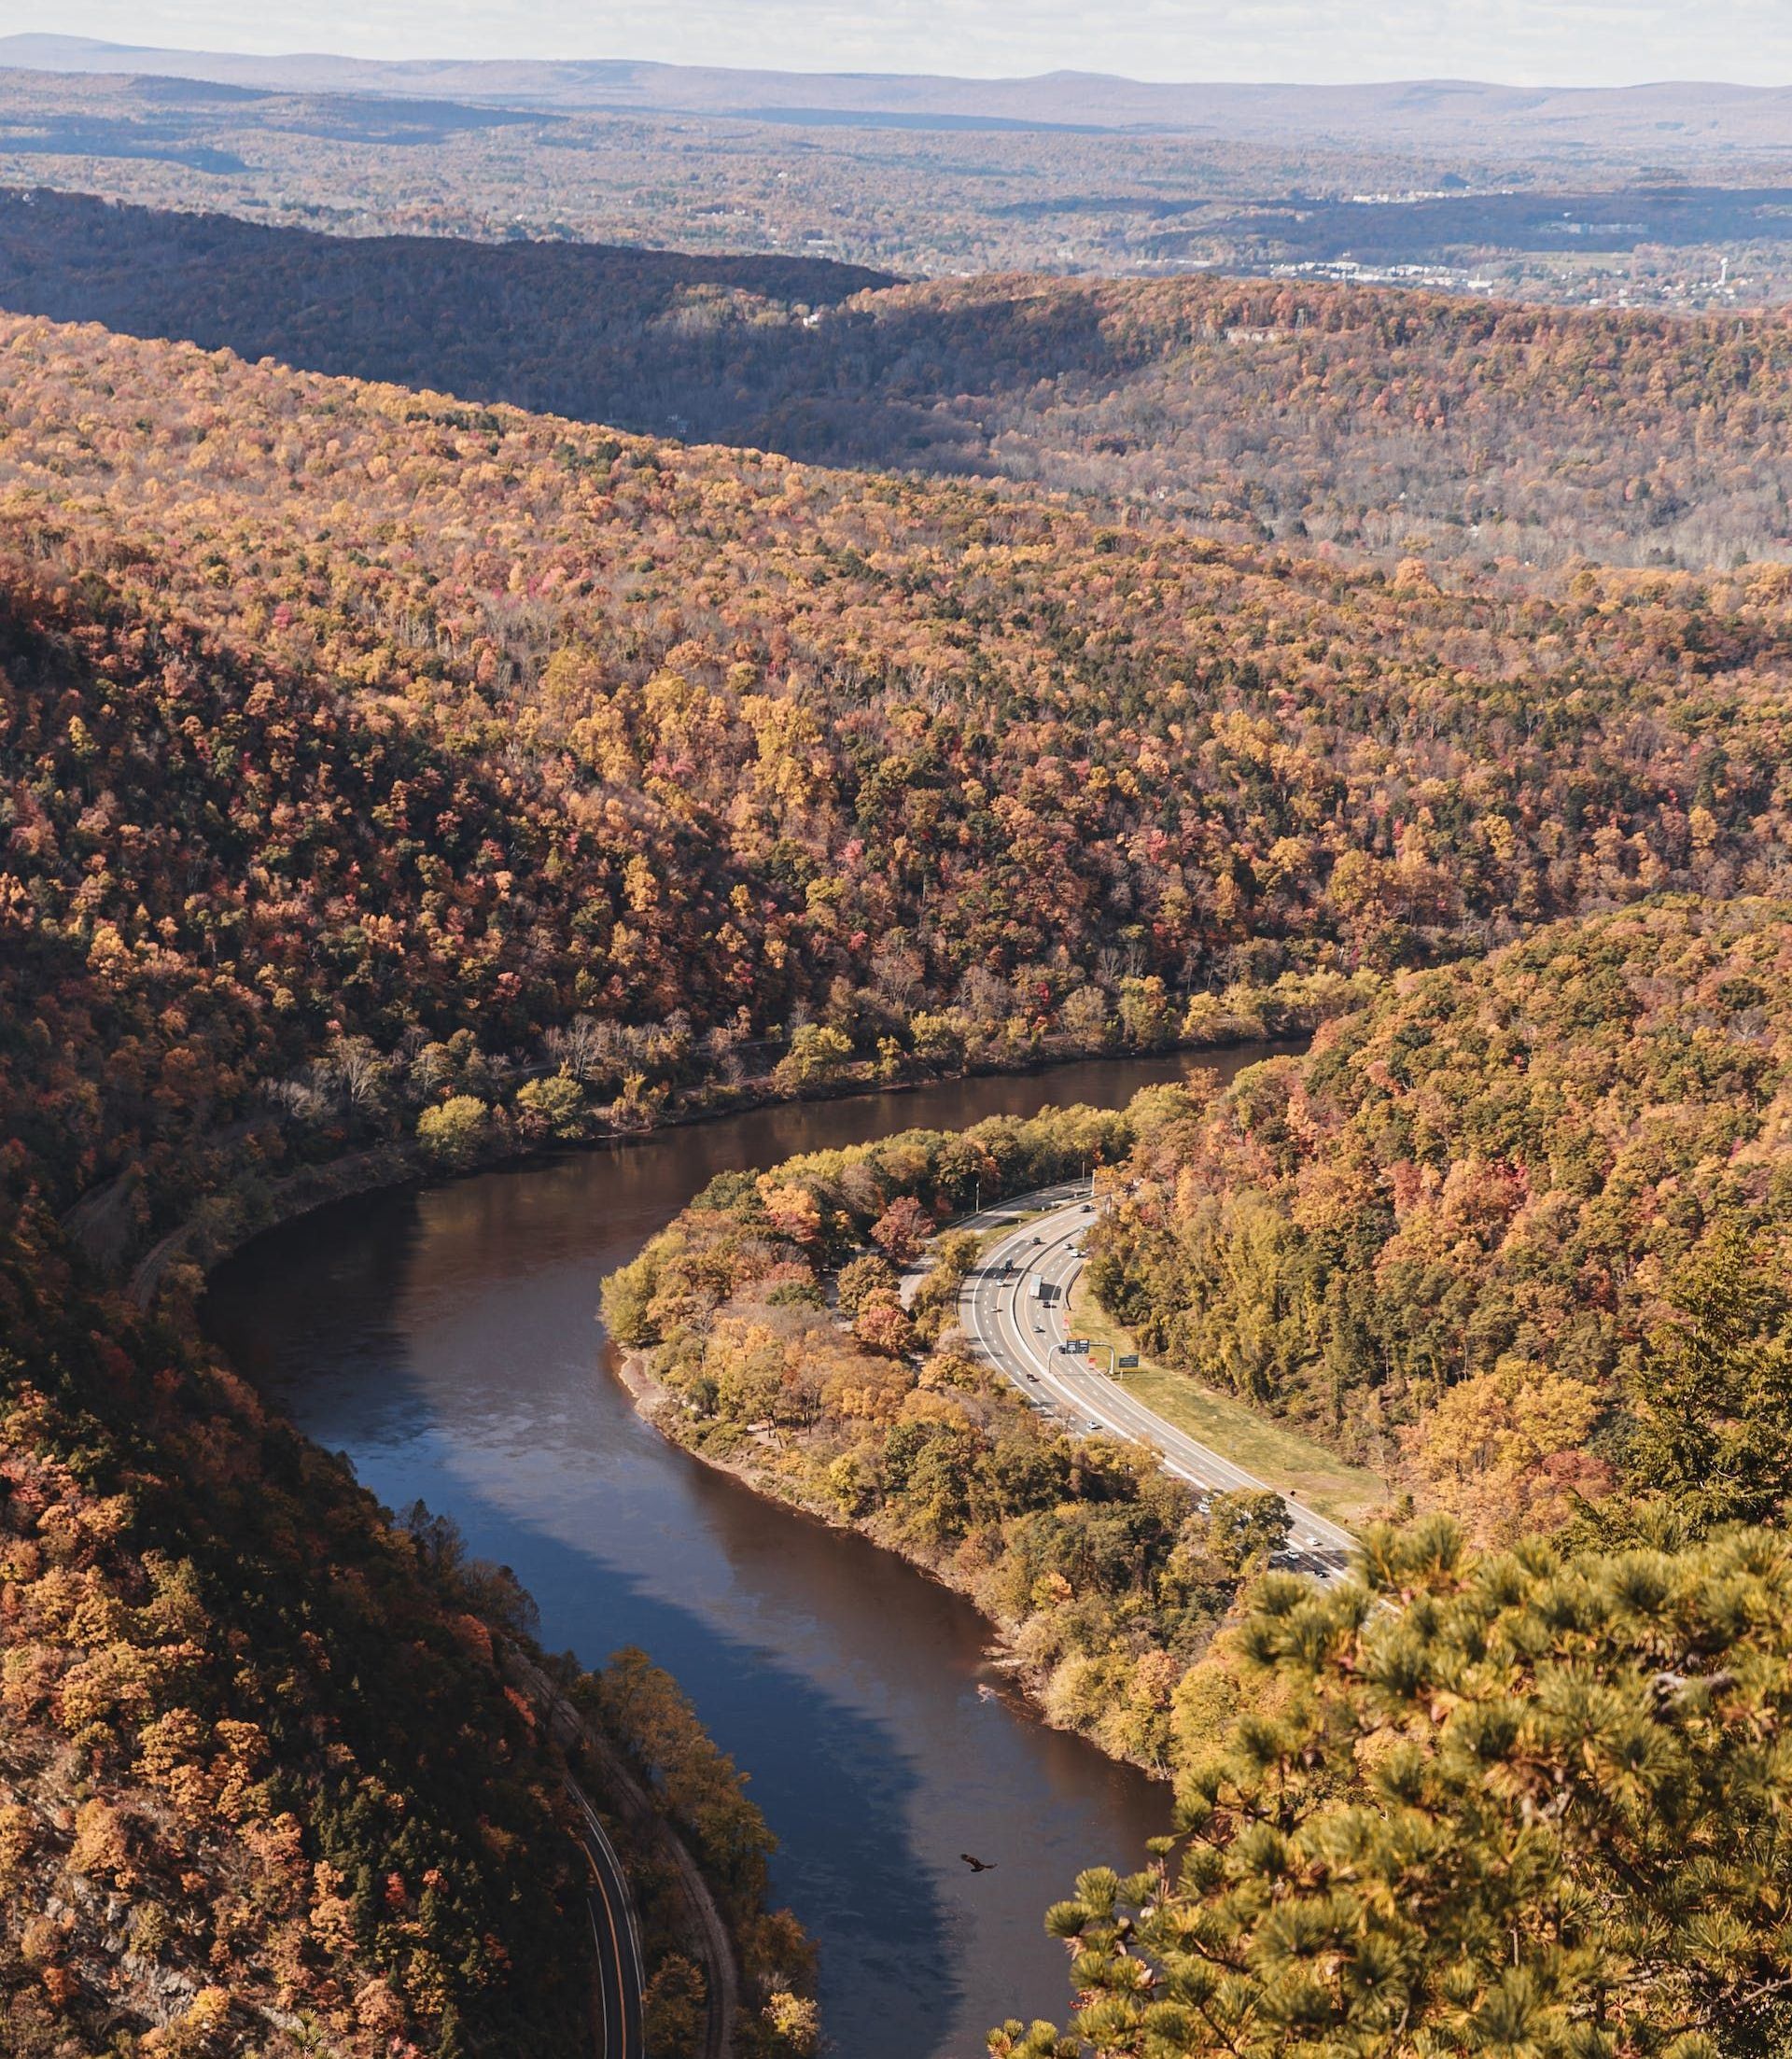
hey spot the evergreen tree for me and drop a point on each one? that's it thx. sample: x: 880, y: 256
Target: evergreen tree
x: 1514, y: 1804
x: 1712, y: 1398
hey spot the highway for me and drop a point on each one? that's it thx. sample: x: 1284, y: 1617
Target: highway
x: 1023, y: 1336
x: 614, y: 1934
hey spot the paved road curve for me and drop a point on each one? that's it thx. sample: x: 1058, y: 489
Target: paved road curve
x: 613, y: 1935
x: 1022, y: 1335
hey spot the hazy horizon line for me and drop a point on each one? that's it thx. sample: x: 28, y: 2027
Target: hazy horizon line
x: 324, y: 53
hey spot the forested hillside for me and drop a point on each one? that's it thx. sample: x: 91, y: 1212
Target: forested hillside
x: 386, y: 773
x: 258, y: 1764
x: 1524, y: 1796
x: 1522, y: 1226
x: 612, y: 334
x: 1387, y: 421
x: 508, y: 722
x: 1455, y: 1236
x: 267, y: 1782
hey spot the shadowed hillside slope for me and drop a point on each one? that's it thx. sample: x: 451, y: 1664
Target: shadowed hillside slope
x: 1386, y: 422
x: 523, y: 722
x: 384, y: 774
x: 603, y: 333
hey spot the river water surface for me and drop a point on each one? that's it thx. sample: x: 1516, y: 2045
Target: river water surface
x: 446, y: 1339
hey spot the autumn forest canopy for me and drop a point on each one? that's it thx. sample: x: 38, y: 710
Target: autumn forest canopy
x: 1381, y: 421
x: 394, y: 781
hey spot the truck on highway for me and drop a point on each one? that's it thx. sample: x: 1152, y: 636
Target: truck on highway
x: 1041, y: 1291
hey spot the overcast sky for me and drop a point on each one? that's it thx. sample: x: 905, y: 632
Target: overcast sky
x: 1523, y: 42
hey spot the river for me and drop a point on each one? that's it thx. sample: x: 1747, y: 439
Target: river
x: 445, y: 1339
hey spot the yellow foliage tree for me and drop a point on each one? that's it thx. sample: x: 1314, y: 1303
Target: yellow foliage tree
x: 1502, y: 1452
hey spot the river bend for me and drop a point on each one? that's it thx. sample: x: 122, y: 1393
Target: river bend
x: 445, y: 1339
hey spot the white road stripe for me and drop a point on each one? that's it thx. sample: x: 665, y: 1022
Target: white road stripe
x: 1088, y: 1395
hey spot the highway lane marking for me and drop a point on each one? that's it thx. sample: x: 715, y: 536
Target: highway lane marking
x: 603, y: 1972
x: 1114, y: 1409
x: 1060, y: 1387
x: 1143, y: 1426
x: 616, y: 1864
x: 619, y: 1994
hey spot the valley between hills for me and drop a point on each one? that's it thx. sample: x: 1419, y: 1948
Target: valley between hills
x: 611, y: 758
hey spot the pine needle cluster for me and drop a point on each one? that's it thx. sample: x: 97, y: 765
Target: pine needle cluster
x: 1528, y: 1804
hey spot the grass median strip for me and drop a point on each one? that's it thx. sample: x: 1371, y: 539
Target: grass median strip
x: 1281, y: 1457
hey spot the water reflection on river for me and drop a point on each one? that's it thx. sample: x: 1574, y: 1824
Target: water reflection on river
x: 445, y: 1339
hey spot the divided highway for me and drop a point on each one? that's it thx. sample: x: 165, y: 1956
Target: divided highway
x: 1022, y: 1333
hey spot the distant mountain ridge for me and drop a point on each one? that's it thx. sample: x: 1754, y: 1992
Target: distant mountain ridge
x: 576, y: 329
x: 1247, y: 408
x: 1687, y: 116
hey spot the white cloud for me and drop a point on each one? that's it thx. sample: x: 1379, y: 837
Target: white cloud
x: 1520, y: 42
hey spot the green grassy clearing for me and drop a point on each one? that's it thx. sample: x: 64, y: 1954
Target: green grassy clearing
x: 1275, y: 1453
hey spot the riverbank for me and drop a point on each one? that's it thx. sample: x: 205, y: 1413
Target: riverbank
x: 246, y: 1208
x: 441, y: 1335
x: 767, y: 1336
x: 657, y: 1405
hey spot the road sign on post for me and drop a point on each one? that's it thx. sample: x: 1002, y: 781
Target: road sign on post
x: 1128, y: 1359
